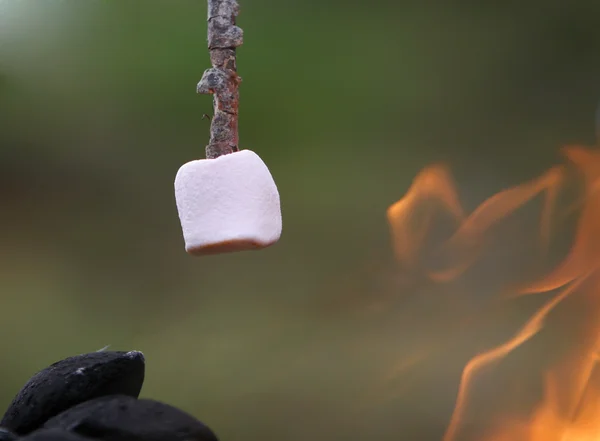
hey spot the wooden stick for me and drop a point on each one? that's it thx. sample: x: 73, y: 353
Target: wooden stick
x: 222, y: 79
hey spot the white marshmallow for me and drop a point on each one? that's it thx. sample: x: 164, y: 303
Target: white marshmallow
x: 229, y: 203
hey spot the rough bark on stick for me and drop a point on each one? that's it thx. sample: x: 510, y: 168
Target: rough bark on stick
x: 222, y: 79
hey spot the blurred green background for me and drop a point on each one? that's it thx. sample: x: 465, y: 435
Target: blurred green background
x: 345, y: 101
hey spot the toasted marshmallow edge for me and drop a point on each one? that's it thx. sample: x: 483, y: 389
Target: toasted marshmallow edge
x: 227, y: 204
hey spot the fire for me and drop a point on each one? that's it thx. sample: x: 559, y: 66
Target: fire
x: 568, y: 409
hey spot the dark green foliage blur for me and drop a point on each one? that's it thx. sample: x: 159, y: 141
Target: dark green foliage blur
x: 345, y: 101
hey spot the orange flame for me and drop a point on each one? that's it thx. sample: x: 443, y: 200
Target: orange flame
x: 569, y: 409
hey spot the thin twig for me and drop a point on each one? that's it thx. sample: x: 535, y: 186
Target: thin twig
x: 222, y: 79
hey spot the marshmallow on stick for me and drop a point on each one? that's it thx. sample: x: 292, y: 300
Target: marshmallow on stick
x: 229, y: 201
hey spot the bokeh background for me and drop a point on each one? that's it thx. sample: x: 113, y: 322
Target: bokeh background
x: 345, y: 101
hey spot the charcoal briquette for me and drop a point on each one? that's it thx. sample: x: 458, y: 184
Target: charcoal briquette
x: 72, y: 381
x: 122, y: 418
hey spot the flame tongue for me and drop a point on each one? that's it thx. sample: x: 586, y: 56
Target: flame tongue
x: 569, y: 407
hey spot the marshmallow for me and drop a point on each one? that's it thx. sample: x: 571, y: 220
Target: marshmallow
x: 226, y: 204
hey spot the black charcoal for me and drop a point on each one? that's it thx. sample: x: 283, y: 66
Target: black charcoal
x: 71, y: 381
x: 122, y: 418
